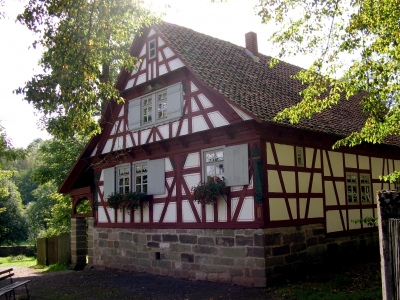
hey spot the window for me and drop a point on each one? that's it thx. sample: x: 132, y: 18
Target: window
x: 162, y: 105
x: 365, y: 185
x: 299, y: 157
x: 141, y: 177
x: 230, y: 163
x: 214, y: 163
x: 156, y: 108
x: 353, y: 186
x: 148, y: 177
x: 147, y: 110
x: 123, y: 179
x: 152, y: 49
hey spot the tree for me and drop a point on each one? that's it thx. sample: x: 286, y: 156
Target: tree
x: 24, y: 169
x: 7, y: 153
x: 86, y: 44
x: 12, y: 221
x: 57, y: 158
x: 332, y: 30
x: 38, y: 212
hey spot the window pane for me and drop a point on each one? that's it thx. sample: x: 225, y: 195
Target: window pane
x: 219, y: 156
x: 138, y: 168
x: 219, y: 169
x: 127, y: 181
x: 210, y: 171
x: 138, y: 188
x: 144, y: 188
x: 126, y: 189
x: 144, y: 179
x: 209, y: 157
x: 144, y: 168
x: 138, y: 179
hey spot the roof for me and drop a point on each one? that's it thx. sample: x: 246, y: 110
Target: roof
x: 261, y: 90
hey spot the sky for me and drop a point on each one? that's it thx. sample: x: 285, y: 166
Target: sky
x: 228, y: 21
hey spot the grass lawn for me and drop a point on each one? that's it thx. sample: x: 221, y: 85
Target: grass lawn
x: 19, y: 260
x: 30, y: 262
x: 355, y: 283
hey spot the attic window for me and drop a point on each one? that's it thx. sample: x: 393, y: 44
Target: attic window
x: 299, y: 157
x: 152, y: 49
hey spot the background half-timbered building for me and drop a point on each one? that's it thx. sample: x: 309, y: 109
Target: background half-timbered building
x: 199, y: 106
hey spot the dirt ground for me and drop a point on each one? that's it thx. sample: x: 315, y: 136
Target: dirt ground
x: 117, y: 284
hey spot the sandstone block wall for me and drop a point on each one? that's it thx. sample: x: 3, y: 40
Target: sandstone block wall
x: 248, y: 257
x: 229, y: 256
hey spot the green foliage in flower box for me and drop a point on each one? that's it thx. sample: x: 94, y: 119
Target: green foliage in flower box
x: 208, y: 192
x: 127, y: 201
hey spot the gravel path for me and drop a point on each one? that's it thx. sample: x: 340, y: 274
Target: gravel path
x: 117, y: 284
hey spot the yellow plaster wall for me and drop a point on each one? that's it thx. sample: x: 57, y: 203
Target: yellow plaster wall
x: 285, y: 154
x: 309, y: 157
x: 293, y: 207
x: 277, y: 209
x: 317, y: 183
x: 316, y: 209
x: 336, y: 163
x: 303, y: 206
x: 330, y: 193
x: 376, y: 167
x: 390, y: 165
x: 363, y: 162
x: 397, y: 165
x: 274, y: 185
x: 270, y: 156
x: 367, y: 213
x: 354, y: 214
x: 333, y: 221
x: 350, y: 160
x: 289, y: 181
x: 304, y: 181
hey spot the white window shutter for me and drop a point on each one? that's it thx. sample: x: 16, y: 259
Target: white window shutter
x: 109, y: 182
x: 134, y: 114
x: 174, y: 101
x: 156, y: 177
x: 236, y: 165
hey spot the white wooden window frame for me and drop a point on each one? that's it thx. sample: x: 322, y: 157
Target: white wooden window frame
x: 354, y: 188
x: 155, y: 177
x: 135, y: 175
x: 365, y: 188
x: 205, y: 163
x: 236, y: 164
x: 174, y: 108
x: 299, y: 156
x: 152, y: 49
x: 118, y: 177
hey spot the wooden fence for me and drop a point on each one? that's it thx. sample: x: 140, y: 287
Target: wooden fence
x: 54, y: 250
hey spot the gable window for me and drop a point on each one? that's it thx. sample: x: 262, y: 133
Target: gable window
x: 141, y: 177
x: 152, y: 49
x: 230, y: 163
x: 354, y: 184
x: 299, y: 157
x: 162, y: 112
x: 147, y: 110
x: 123, y: 179
x: 156, y: 108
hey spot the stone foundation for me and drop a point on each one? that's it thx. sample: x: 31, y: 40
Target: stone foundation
x: 248, y: 257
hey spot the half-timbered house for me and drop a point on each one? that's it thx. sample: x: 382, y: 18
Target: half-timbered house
x: 198, y: 106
